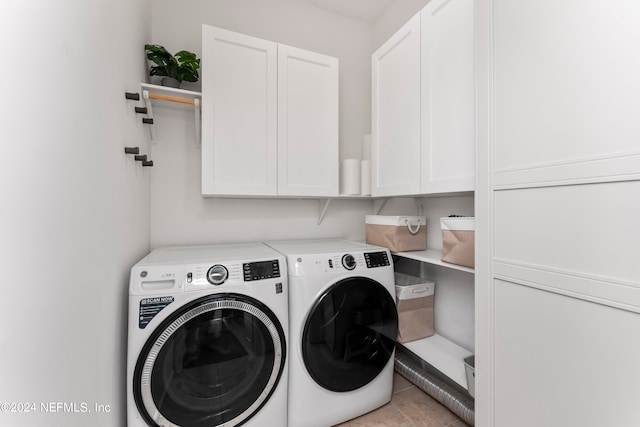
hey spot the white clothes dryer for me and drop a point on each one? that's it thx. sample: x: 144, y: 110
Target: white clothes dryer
x: 207, y: 341
x: 343, y: 325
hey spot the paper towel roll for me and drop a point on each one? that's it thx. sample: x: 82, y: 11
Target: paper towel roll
x: 350, y: 172
x: 365, y: 177
x: 366, y: 147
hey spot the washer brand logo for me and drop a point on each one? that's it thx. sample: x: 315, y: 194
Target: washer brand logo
x: 150, y: 307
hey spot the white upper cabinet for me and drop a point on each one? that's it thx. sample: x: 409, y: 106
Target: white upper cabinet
x: 448, y: 96
x: 270, y: 118
x: 423, y: 94
x: 307, y: 123
x: 239, y: 114
x: 395, y: 118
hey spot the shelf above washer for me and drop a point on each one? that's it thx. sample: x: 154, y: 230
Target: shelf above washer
x: 432, y: 256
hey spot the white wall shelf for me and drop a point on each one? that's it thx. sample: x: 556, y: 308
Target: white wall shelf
x: 169, y: 94
x: 444, y: 355
x: 432, y: 256
x: 186, y: 96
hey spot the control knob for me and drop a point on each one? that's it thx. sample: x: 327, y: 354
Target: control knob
x: 217, y: 274
x: 348, y: 261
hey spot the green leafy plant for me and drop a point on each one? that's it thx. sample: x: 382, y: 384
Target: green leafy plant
x: 183, y: 66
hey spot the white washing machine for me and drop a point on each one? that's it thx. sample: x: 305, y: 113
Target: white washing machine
x: 208, y: 332
x: 343, y: 325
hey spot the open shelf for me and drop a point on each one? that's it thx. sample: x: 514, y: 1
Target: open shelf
x: 444, y: 355
x: 169, y: 91
x: 432, y: 256
x: 174, y: 95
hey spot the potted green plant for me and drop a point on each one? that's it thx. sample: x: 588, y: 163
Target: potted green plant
x: 183, y: 66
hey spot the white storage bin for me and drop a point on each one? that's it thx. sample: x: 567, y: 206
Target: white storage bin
x: 470, y: 370
x: 398, y: 233
x: 415, y: 298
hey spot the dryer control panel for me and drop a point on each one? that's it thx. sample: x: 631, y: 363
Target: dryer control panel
x: 353, y: 261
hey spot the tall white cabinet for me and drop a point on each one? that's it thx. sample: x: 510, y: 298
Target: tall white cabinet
x: 270, y: 118
x: 558, y: 278
x: 423, y: 93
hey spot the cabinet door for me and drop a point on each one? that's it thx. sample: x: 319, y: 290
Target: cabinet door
x: 448, y: 96
x: 239, y: 109
x: 396, y: 113
x: 307, y: 123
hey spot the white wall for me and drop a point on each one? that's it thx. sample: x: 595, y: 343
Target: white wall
x: 75, y: 208
x: 179, y: 214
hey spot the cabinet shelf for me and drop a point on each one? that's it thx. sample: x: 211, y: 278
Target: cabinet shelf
x: 444, y: 355
x: 432, y: 256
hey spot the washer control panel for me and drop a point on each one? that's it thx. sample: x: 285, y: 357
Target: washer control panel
x: 376, y: 259
x: 232, y: 273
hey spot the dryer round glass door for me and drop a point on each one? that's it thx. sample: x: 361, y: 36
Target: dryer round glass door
x: 350, y: 334
x: 215, y: 361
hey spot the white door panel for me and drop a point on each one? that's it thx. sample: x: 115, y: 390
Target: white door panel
x: 560, y: 361
x: 448, y: 96
x: 591, y: 229
x: 396, y: 113
x: 565, y: 76
x: 239, y: 114
x: 307, y: 123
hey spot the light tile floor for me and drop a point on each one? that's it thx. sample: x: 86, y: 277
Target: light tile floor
x: 409, y: 407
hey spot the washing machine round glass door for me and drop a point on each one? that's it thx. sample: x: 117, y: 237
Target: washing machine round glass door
x: 350, y: 334
x: 215, y: 361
